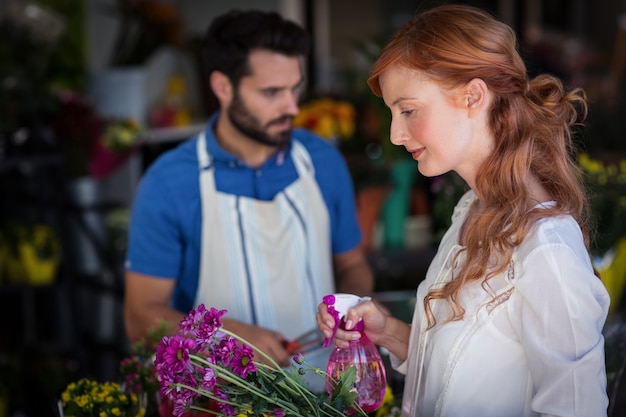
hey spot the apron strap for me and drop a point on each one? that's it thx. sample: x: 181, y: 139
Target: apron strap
x: 204, y: 159
x: 301, y: 159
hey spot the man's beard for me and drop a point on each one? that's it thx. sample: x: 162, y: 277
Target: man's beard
x: 249, y: 125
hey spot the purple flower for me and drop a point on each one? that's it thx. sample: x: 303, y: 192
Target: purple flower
x: 191, y: 320
x: 180, y: 406
x: 242, y: 363
x: 208, y: 379
x: 177, y: 391
x: 209, y: 325
x: 167, y: 383
x: 172, y: 354
x: 224, y: 348
x: 279, y: 412
x: 298, y: 358
x: 170, y: 384
x: 225, y: 408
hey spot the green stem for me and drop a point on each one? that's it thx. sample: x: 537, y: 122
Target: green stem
x: 275, y: 367
x: 236, y: 380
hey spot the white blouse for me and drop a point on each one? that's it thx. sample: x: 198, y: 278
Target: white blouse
x: 529, y: 345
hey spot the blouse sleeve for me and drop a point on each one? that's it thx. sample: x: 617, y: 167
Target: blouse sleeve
x: 558, y: 310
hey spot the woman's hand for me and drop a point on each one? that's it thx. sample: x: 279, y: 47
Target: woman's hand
x: 374, y: 320
x: 380, y: 327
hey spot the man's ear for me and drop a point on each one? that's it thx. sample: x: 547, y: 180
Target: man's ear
x: 476, y: 95
x: 221, y: 86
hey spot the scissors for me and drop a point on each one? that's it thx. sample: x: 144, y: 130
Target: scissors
x: 306, y: 342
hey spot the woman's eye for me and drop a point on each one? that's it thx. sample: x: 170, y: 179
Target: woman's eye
x: 406, y: 112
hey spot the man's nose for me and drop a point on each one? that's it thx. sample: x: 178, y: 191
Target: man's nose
x: 290, y: 103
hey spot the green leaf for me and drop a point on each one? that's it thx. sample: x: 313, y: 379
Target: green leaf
x: 344, y: 394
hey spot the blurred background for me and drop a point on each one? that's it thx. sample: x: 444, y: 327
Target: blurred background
x: 92, y: 91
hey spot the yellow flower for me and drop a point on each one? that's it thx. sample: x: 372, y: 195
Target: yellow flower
x: 89, y: 398
x: 330, y: 119
x: 120, y: 134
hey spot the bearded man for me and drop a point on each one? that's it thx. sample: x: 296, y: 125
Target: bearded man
x: 251, y: 216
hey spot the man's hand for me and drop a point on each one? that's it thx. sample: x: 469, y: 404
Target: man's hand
x: 268, y: 341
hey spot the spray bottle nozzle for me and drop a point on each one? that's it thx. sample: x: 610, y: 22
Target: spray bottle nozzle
x: 338, y: 306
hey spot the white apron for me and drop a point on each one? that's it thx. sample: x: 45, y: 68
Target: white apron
x: 267, y: 262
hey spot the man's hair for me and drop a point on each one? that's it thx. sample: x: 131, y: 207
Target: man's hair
x: 232, y: 36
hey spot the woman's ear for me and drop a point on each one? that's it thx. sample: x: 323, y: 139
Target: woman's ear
x: 221, y: 86
x: 476, y: 95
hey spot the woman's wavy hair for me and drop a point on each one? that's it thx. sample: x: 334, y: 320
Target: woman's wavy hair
x: 531, y: 121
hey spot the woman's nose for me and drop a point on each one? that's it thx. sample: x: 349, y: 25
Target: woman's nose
x: 397, y: 136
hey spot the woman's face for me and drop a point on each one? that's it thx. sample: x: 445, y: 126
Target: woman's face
x: 436, y: 126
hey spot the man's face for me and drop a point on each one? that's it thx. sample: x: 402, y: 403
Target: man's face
x: 265, y: 102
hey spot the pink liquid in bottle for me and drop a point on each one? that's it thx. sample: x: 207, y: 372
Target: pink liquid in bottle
x: 370, y: 381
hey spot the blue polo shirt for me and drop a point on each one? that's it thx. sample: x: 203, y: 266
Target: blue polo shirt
x: 166, y: 221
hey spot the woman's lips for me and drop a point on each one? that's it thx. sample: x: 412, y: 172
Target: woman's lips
x: 416, y: 153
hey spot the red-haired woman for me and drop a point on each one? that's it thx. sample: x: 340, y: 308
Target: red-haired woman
x: 508, y: 321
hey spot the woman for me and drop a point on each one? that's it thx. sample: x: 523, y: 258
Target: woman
x: 509, y: 317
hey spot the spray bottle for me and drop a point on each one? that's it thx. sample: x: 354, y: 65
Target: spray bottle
x: 370, y: 382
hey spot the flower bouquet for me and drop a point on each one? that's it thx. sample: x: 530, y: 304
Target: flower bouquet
x: 205, y: 367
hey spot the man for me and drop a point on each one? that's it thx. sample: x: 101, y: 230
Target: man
x: 249, y: 216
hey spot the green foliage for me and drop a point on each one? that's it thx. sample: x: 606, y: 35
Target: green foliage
x: 606, y: 185
x: 68, y: 61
